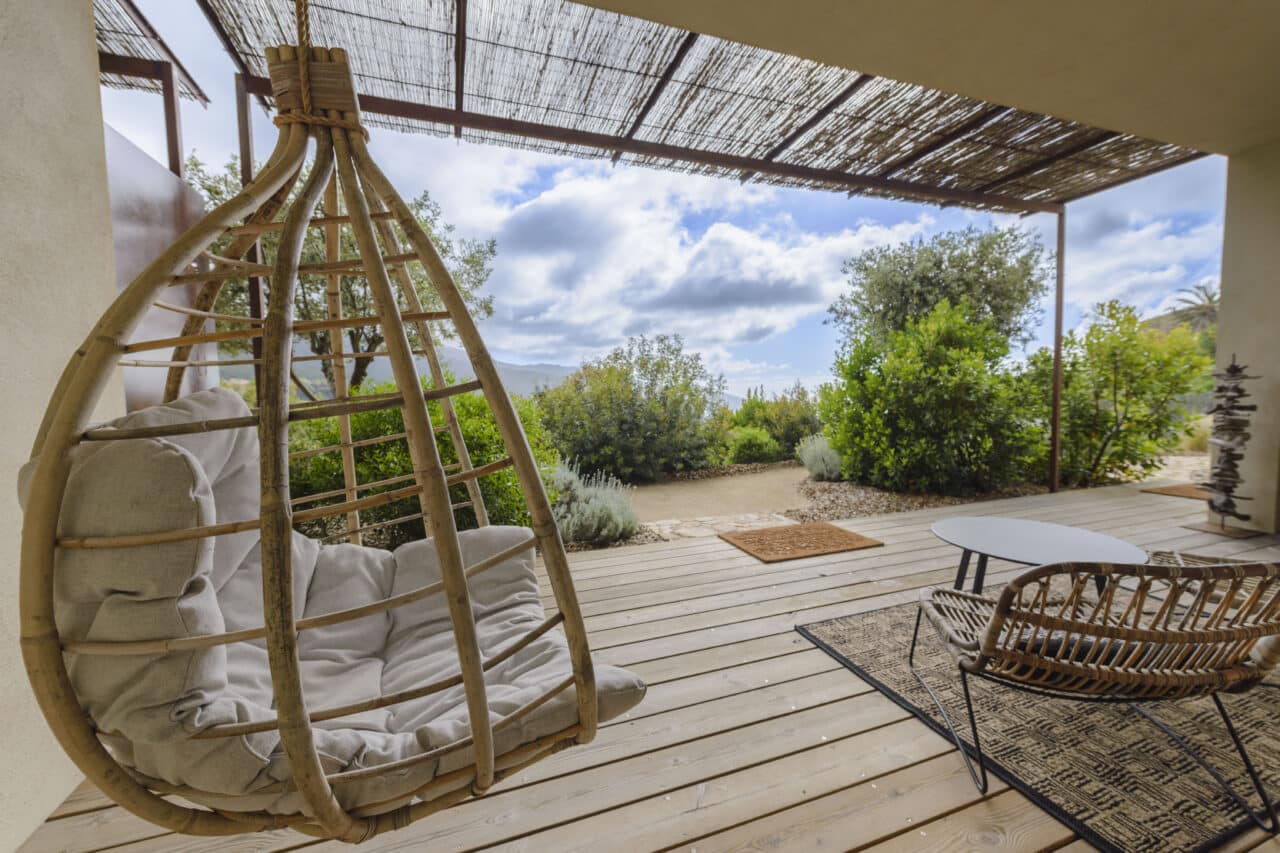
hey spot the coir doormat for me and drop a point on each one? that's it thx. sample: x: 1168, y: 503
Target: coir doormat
x: 1180, y: 490
x: 793, y: 541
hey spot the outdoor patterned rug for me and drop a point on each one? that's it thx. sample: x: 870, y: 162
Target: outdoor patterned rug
x: 1180, y: 490
x: 1102, y: 770
x: 793, y: 541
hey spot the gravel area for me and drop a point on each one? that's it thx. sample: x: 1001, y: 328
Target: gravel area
x: 730, y: 470
x: 835, y: 501
x: 644, y: 536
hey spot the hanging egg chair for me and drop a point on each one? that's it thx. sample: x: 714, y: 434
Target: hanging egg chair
x: 183, y: 639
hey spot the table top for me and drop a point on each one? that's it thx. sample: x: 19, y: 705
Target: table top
x: 1035, y: 542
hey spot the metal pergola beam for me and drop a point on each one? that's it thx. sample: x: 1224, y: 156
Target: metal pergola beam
x: 656, y: 92
x: 960, y: 131
x: 1045, y: 162
x: 813, y: 121
x: 257, y: 302
x: 144, y: 26
x: 166, y: 73
x: 605, y: 142
x: 459, y: 58
x: 1055, y: 401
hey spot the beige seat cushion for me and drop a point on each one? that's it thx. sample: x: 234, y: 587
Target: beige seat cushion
x: 154, y: 704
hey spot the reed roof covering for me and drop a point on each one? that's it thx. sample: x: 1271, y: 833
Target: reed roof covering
x: 121, y: 30
x: 560, y: 77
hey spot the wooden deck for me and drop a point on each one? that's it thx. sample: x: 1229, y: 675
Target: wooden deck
x: 749, y: 738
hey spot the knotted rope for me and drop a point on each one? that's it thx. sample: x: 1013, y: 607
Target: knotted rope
x: 301, y: 14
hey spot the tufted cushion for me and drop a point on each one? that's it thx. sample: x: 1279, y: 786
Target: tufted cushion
x: 149, y: 706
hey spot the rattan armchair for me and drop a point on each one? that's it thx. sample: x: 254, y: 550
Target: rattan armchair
x: 1177, y: 628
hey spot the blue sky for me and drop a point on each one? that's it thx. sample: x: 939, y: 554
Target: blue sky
x: 589, y: 254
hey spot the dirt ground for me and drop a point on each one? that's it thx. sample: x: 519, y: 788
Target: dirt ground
x: 773, y: 490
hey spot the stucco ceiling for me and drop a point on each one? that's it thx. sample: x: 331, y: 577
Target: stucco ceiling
x: 1199, y: 73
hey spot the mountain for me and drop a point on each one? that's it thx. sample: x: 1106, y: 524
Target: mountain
x: 522, y: 379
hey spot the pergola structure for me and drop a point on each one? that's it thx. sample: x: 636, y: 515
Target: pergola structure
x: 131, y: 55
x: 564, y: 78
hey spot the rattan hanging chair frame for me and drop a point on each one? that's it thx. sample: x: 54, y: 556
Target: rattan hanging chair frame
x: 325, y: 111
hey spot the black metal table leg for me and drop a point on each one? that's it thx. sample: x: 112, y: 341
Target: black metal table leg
x: 980, y: 575
x: 963, y: 570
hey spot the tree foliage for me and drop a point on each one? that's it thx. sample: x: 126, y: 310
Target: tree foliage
x: 1124, y: 383
x: 322, y: 472
x: 1000, y: 274
x: 469, y: 261
x: 1199, y: 308
x: 636, y: 413
x: 787, y: 417
x: 930, y: 408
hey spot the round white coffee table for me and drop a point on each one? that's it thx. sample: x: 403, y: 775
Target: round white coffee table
x: 1031, y: 543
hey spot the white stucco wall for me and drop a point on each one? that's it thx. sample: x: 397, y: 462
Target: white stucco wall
x: 1249, y: 319
x: 58, y: 275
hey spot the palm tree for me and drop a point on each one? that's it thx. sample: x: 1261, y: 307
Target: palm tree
x: 1199, y: 309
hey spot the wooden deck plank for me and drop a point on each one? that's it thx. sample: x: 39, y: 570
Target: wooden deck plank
x: 1005, y: 822
x: 91, y: 831
x: 865, y: 811
x: 682, y: 815
x: 726, y: 751
x: 501, y: 816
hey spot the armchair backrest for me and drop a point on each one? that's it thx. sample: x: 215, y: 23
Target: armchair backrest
x: 1151, y: 631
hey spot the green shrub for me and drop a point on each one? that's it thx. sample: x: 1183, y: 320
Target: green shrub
x: 788, y: 417
x: 501, y: 490
x: 637, y: 413
x: 1124, y: 386
x: 752, y: 444
x: 818, y: 458
x: 715, y: 431
x: 929, y: 408
x: 593, y: 510
x: 1000, y: 274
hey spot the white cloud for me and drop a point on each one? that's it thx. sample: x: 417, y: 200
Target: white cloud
x: 602, y: 254
x: 588, y: 254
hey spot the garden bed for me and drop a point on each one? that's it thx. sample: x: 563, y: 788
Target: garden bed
x: 729, y: 470
x: 841, y: 500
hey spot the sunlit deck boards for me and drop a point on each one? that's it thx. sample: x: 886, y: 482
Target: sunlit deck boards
x: 750, y: 738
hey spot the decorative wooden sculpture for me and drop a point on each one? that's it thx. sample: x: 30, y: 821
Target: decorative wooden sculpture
x: 1230, y: 435
x: 316, y: 101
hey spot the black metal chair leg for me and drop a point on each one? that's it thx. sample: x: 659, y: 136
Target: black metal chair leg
x: 1268, y: 808
x: 978, y: 776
